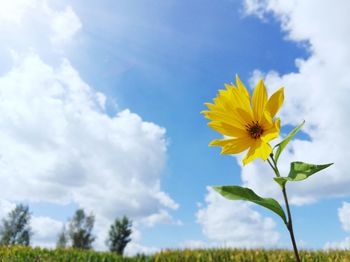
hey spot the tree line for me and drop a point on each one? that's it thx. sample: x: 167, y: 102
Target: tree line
x: 16, y: 230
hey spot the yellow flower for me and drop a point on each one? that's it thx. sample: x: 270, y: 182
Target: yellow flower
x: 245, y: 123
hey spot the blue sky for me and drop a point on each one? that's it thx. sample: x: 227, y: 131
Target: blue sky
x: 158, y: 62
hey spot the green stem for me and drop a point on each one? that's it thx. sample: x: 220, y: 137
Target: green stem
x: 289, y: 223
x: 274, y: 169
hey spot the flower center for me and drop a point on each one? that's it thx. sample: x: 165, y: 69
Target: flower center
x: 255, y: 130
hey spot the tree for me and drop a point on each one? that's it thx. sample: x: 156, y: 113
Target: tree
x: 80, y: 230
x: 119, y: 235
x: 15, y: 229
x: 62, y: 239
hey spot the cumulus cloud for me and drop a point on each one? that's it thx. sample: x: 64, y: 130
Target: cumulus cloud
x: 247, y: 227
x: 318, y: 92
x: 59, y: 144
x: 5, y: 208
x: 61, y: 25
x: 344, y: 244
x: 344, y: 218
x: 64, y: 25
x: 162, y: 216
x: 13, y: 11
x: 198, y: 244
x: 45, y: 231
x: 33, y: 25
x: 134, y: 248
x: 57, y: 140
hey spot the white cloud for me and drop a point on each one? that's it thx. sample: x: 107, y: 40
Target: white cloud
x: 134, y: 248
x: 199, y: 244
x: 5, y: 208
x: 161, y: 217
x: 57, y: 140
x: 344, y: 216
x: 166, y: 200
x: 12, y: 11
x: 34, y: 25
x: 45, y: 231
x: 64, y: 25
x: 345, y: 244
x: 318, y: 92
x: 235, y: 223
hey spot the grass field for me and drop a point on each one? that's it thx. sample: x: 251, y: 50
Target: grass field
x: 26, y: 254
x: 250, y: 255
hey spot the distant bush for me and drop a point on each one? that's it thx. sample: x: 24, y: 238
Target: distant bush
x: 119, y: 235
x: 80, y: 230
x: 15, y: 229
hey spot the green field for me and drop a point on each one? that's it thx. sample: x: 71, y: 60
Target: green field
x: 26, y: 254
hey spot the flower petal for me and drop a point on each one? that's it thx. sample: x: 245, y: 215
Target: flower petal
x: 239, y: 100
x: 244, y: 116
x: 242, y: 95
x: 258, y: 149
x: 266, y: 120
x: 259, y: 100
x: 275, y: 102
x: 222, y: 142
x: 219, y: 116
x: 226, y: 129
x: 242, y: 88
x: 236, y: 146
x: 211, y: 106
x: 273, y: 132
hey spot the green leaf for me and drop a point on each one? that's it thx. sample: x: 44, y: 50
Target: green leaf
x: 300, y: 171
x: 285, y: 141
x: 243, y: 193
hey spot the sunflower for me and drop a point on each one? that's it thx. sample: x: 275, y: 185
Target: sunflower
x: 245, y: 122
